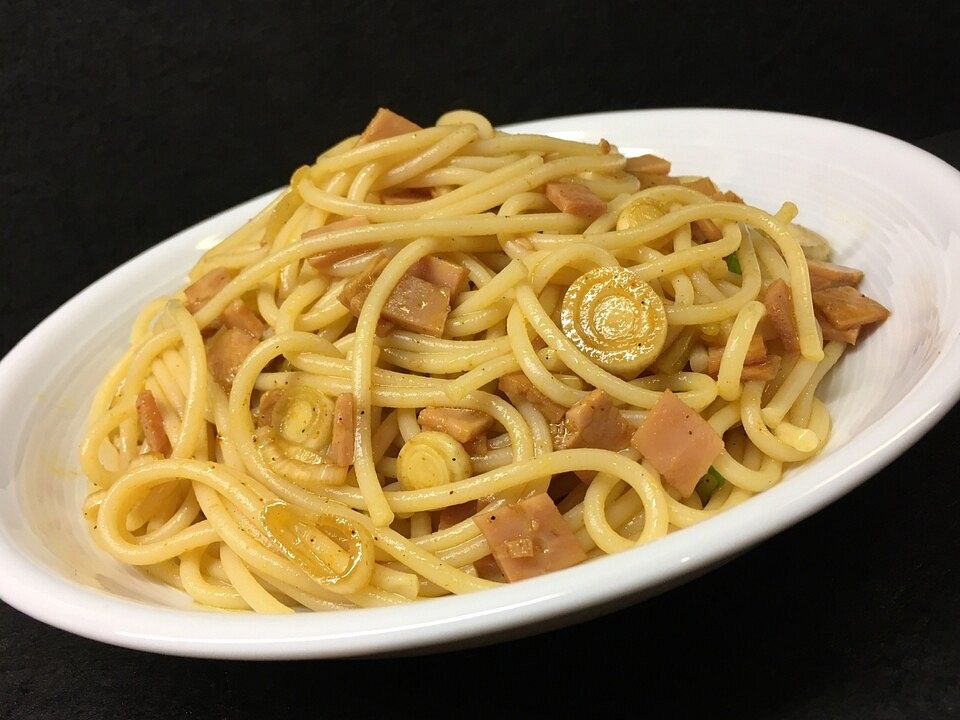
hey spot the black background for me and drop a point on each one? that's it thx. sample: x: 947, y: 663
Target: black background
x: 121, y: 124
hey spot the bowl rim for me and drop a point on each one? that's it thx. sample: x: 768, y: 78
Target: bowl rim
x: 50, y: 598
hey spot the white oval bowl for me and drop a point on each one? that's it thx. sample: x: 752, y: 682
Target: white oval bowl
x: 889, y: 208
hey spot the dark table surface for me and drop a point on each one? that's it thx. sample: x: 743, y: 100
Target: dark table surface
x: 854, y: 612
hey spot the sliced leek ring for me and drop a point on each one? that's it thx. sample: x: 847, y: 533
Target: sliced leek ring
x: 640, y: 212
x: 615, y: 319
x: 304, y: 416
x: 429, y: 459
x: 334, y: 552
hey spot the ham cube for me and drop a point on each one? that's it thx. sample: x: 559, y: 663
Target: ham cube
x: 530, y: 538
x: 148, y: 413
x: 575, y: 199
x: 200, y: 292
x: 765, y: 371
x: 413, y: 304
x: 679, y: 443
x: 456, y: 514
x: 756, y: 354
x: 238, y: 315
x: 702, y: 185
x: 418, y: 306
x: 831, y: 334
x: 845, y: 307
x: 405, y: 196
x: 226, y: 351
x: 477, y: 447
x: 728, y: 196
x: 779, y: 303
x: 709, y: 229
x: 595, y: 422
x: 448, y: 275
x: 354, y: 294
x: 340, y: 451
x: 517, y: 386
x: 825, y: 274
x: 328, y: 258
x: 648, y: 164
x: 386, y: 124
x: 462, y: 424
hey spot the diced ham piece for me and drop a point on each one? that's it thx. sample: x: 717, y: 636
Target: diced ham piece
x: 488, y: 569
x: 766, y: 371
x: 679, y: 443
x: 779, y: 303
x: 413, y: 304
x: 238, y: 315
x: 200, y: 292
x: 344, y: 431
x: 703, y: 185
x: 328, y: 258
x: 462, y: 424
x: 648, y: 180
x: 418, y: 306
x: 454, y: 514
x: 709, y: 229
x: 825, y: 274
x: 756, y: 354
x: 517, y: 386
x: 268, y: 401
x: 530, y: 538
x: 595, y: 422
x: 650, y: 164
x: 354, y: 294
x: 148, y: 412
x: 477, y: 447
x: 830, y: 333
x: 386, y: 124
x: 576, y: 199
x: 845, y: 307
x: 451, y: 276
x: 226, y: 351
x: 728, y: 196
x: 405, y: 197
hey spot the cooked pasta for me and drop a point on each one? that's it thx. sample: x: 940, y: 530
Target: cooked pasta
x: 445, y: 358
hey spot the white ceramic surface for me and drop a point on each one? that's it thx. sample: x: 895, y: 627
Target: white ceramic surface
x: 890, y: 209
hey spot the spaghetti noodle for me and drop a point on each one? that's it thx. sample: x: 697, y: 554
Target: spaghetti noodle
x: 449, y: 357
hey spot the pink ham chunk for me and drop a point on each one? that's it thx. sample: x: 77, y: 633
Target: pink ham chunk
x: 328, y: 258
x: 845, y: 307
x: 226, y: 351
x: 413, y: 304
x: 830, y: 333
x: 595, y: 422
x: 462, y: 424
x: 575, y: 199
x: 238, y: 315
x: 344, y: 431
x: 450, y: 276
x: 386, y: 124
x: 148, y: 412
x: 455, y: 514
x: 679, y: 443
x: 530, y: 538
x: 200, y: 292
x: 648, y: 165
x: 418, y: 305
x: 517, y: 386
x: 825, y: 274
x: 779, y: 303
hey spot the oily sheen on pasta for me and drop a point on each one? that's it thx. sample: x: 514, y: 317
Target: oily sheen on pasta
x: 445, y: 358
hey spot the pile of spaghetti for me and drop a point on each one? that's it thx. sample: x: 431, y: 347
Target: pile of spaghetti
x: 450, y: 357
